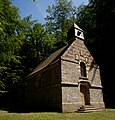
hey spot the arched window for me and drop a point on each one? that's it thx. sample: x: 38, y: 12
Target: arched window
x: 83, y: 69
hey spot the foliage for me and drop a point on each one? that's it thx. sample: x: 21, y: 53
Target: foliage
x: 59, y: 19
x: 23, y: 45
x: 38, y: 44
x: 9, y: 45
x: 97, y: 19
x: 87, y: 20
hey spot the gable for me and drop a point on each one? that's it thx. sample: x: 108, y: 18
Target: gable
x: 77, y: 51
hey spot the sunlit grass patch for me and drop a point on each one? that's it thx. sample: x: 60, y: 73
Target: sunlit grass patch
x: 109, y: 114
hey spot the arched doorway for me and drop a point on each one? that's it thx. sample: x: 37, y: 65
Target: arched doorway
x: 85, y: 95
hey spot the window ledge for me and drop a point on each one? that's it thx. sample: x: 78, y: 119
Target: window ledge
x: 83, y: 78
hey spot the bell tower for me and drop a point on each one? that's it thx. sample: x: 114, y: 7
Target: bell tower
x: 75, y: 32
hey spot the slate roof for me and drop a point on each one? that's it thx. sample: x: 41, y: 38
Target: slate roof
x: 53, y: 57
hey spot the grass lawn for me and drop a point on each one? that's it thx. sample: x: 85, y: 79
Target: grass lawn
x: 109, y: 114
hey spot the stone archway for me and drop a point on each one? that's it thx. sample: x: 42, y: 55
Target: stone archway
x: 85, y: 95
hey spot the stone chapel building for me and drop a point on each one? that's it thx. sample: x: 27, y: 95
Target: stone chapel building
x: 68, y: 79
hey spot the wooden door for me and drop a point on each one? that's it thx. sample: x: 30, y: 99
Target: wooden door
x: 85, y: 95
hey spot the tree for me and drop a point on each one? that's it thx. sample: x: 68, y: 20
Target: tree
x: 11, y: 41
x: 97, y: 19
x: 38, y: 44
x: 59, y: 19
x: 23, y: 45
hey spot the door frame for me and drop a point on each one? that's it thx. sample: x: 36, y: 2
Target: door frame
x: 85, y: 94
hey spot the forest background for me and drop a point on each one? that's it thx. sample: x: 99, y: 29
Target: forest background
x: 24, y: 43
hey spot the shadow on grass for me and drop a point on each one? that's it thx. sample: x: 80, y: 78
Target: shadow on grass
x: 25, y: 109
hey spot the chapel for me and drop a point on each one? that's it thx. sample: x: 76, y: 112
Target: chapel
x: 68, y: 80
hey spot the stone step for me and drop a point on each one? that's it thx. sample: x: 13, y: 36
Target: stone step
x: 88, y: 108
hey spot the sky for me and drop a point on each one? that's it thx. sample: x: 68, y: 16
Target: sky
x: 38, y: 9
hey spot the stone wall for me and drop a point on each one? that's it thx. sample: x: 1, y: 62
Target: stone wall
x: 78, y: 52
x: 71, y: 76
x: 70, y: 94
x: 71, y: 59
x: 70, y: 98
x: 94, y: 76
x: 96, y: 97
x: 69, y: 71
x: 43, y: 89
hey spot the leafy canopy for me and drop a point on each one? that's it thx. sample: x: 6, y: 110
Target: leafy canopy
x: 59, y: 19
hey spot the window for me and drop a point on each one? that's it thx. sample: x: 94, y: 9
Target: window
x: 83, y: 69
x: 78, y: 33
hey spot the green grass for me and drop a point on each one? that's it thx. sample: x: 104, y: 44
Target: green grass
x: 109, y: 114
